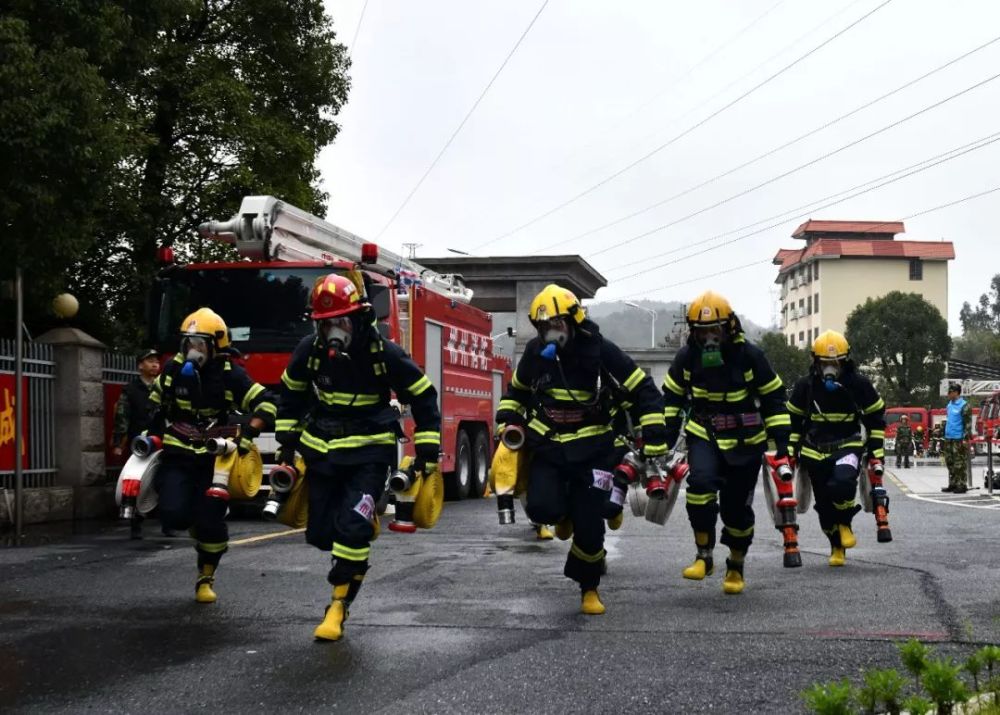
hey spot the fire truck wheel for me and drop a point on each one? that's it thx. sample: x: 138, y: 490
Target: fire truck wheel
x: 460, y: 480
x: 480, y: 464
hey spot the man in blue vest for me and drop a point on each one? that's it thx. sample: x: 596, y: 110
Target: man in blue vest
x: 957, y: 429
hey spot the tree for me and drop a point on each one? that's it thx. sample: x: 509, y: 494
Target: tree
x: 986, y: 315
x: 980, y: 346
x: 57, y: 137
x: 788, y: 361
x: 904, y: 339
x: 204, y: 101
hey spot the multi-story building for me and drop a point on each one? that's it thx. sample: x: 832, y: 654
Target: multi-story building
x: 846, y: 262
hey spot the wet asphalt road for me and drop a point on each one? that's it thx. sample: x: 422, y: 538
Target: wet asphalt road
x: 476, y: 618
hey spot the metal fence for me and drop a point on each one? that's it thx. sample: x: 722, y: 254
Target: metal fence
x: 39, y: 369
x: 118, y: 368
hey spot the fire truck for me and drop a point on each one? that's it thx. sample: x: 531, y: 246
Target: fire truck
x: 264, y: 300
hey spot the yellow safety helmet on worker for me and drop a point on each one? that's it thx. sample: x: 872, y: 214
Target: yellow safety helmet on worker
x: 554, y: 312
x: 830, y: 351
x: 712, y: 323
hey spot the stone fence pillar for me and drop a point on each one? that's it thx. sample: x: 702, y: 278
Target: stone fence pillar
x: 79, y: 414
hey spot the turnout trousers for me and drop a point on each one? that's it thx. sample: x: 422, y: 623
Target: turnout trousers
x: 181, y: 482
x: 835, y: 482
x: 715, y: 486
x: 342, y: 514
x: 559, y: 490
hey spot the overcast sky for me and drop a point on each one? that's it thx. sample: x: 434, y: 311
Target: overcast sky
x: 595, y: 86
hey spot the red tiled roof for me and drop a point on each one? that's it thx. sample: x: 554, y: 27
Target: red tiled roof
x: 874, y: 248
x: 876, y: 227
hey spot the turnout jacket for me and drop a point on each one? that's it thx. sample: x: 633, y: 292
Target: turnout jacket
x: 570, y: 404
x: 339, y: 408
x: 737, y: 405
x: 824, y: 422
x: 186, y: 404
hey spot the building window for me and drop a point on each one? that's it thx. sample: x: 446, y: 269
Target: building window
x: 916, y: 269
x: 816, y: 303
x: 815, y: 333
x: 816, y: 270
x: 791, y: 340
x: 809, y: 306
x: 802, y: 336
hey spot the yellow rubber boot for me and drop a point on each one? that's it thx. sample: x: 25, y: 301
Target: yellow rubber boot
x: 543, y: 532
x: 332, y: 627
x: 838, y: 556
x: 591, y: 605
x: 703, y: 565
x: 733, y: 583
x: 847, y: 539
x: 615, y: 522
x: 203, y: 592
x: 564, y: 529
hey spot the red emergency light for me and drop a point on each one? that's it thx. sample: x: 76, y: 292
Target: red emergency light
x: 164, y: 255
x: 369, y: 253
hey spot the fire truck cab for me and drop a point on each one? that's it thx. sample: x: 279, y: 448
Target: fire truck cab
x: 264, y: 301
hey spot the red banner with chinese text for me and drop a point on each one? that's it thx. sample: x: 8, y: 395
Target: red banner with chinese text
x: 7, y: 423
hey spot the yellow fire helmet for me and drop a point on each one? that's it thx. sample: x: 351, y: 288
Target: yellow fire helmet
x: 710, y: 309
x: 556, y: 301
x: 206, y: 323
x: 831, y: 345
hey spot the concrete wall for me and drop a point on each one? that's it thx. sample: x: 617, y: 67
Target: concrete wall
x: 846, y: 283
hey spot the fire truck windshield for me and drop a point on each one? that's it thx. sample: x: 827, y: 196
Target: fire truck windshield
x: 266, y: 308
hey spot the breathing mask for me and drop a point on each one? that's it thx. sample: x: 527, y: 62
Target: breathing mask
x: 829, y: 371
x: 555, y: 334
x: 197, y: 351
x: 710, y: 339
x: 337, y: 333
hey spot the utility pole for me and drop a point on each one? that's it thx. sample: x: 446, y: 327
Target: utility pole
x: 411, y: 249
x: 680, y: 324
x: 18, y: 406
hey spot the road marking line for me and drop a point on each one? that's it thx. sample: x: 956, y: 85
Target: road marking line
x: 265, y: 537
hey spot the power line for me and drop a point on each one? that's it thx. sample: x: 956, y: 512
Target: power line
x: 817, y: 205
x: 350, y: 49
x: 757, y: 263
x: 687, y: 131
x: 775, y: 150
x: 464, y: 120
x: 796, y: 169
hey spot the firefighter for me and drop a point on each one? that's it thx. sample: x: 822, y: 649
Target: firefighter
x: 199, y: 389
x: 918, y: 442
x: 567, y: 388
x: 719, y: 377
x: 829, y: 406
x: 335, y: 410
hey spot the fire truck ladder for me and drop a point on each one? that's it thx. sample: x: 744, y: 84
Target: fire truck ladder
x: 269, y: 229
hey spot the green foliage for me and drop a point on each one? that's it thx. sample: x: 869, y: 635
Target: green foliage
x: 154, y: 115
x: 986, y: 315
x: 916, y: 705
x: 942, y: 682
x: 981, y: 346
x: 914, y: 655
x: 905, y: 340
x: 830, y: 698
x: 882, y: 686
x: 974, y: 666
x: 788, y: 361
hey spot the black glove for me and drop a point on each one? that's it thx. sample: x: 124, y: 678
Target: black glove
x: 285, y: 454
x: 427, y: 458
x: 249, y: 431
x: 243, y: 446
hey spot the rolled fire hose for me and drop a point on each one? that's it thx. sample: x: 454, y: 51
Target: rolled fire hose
x: 247, y: 475
x: 143, y: 469
x: 295, y: 511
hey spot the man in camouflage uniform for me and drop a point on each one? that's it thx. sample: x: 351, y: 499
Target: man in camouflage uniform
x: 904, y: 442
x: 957, y: 430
